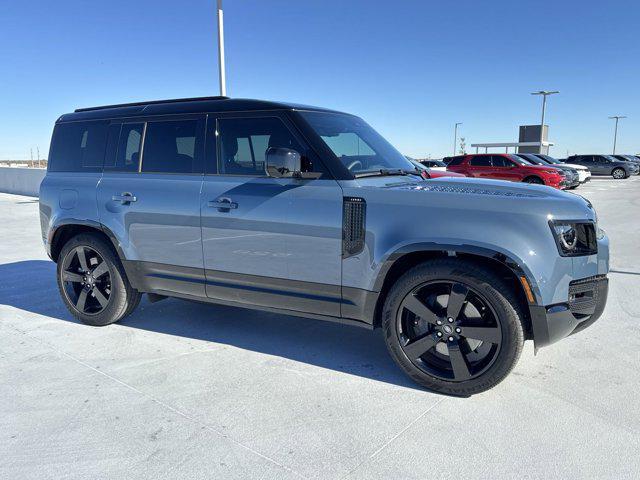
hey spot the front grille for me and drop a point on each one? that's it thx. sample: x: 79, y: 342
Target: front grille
x: 583, y: 295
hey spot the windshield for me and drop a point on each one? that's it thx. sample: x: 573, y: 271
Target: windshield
x: 519, y: 160
x: 549, y: 159
x: 358, y: 146
x: 610, y: 158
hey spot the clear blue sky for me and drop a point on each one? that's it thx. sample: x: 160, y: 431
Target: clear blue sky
x: 412, y: 69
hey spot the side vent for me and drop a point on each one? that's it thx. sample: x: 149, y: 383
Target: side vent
x: 354, y: 210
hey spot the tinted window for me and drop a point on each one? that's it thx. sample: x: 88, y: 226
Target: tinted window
x: 78, y: 147
x: 243, y: 143
x: 455, y: 161
x: 128, y: 151
x: 172, y: 147
x: 480, y: 161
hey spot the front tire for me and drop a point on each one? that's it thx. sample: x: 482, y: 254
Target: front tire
x: 619, y: 173
x: 534, y: 180
x: 453, y: 326
x: 92, y: 281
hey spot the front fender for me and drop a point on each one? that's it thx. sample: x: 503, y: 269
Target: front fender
x: 492, y: 252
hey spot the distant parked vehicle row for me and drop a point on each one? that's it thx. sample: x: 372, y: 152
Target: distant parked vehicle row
x: 584, y: 174
x: 606, y: 165
x: 504, y: 166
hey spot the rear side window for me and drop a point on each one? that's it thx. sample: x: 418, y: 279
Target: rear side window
x: 78, y: 147
x: 481, y: 161
x: 128, y: 150
x: 173, y: 147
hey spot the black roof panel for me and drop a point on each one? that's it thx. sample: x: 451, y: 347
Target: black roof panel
x: 182, y: 105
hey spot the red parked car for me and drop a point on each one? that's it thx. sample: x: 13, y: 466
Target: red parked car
x: 502, y: 166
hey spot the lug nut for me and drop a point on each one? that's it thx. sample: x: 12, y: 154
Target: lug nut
x: 451, y: 339
x: 439, y: 334
x: 458, y: 330
x: 450, y: 320
x: 439, y: 322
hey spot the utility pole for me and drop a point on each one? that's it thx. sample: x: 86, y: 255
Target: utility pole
x: 544, y: 94
x: 31, y: 151
x: 455, y: 137
x: 615, y: 132
x: 222, y: 73
x: 38, y: 150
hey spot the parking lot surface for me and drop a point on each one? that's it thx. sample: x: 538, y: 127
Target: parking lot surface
x: 182, y: 389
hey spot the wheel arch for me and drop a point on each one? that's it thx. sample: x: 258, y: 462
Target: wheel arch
x: 532, y: 176
x: 66, y: 229
x: 507, y: 265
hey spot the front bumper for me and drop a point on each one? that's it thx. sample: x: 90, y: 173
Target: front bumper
x: 586, y: 302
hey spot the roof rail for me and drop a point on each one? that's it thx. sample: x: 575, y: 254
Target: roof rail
x: 151, y: 102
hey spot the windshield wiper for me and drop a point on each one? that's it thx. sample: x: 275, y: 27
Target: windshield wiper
x: 384, y: 172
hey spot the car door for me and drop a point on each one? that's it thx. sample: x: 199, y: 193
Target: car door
x: 480, y: 166
x: 505, y: 169
x: 602, y: 165
x: 272, y: 242
x: 149, y: 197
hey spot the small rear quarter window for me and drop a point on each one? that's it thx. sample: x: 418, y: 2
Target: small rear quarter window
x: 78, y: 147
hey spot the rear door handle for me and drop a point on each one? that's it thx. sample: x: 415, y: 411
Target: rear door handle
x: 223, y: 204
x: 125, y: 198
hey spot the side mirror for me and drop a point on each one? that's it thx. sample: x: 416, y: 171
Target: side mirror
x: 283, y: 162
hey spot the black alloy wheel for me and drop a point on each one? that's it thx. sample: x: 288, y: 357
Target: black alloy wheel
x: 449, y: 330
x: 87, y: 280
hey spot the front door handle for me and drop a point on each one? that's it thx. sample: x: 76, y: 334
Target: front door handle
x: 125, y: 198
x: 224, y: 204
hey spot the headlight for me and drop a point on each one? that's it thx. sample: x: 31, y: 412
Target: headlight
x: 574, y: 238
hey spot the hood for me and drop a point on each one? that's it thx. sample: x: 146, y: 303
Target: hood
x: 464, y: 185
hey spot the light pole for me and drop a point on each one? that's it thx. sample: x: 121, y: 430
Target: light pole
x: 455, y: 137
x: 615, y: 132
x: 222, y: 74
x: 544, y: 94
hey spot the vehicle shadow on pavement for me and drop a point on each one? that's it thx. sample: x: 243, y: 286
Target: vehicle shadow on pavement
x: 31, y: 286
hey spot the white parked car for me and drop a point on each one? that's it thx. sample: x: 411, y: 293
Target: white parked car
x: 584, y: 174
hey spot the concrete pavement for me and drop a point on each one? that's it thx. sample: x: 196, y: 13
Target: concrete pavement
x: 182, y: 390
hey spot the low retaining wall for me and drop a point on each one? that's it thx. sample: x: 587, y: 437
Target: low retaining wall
x: 21, y: 181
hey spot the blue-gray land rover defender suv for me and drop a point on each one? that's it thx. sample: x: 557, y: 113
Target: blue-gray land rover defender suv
x: 310, y: 212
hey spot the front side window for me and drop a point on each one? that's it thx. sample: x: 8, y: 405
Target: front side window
x: 359, y: 147
x: 243, y: 144
x: 78, y: 147
x: 172, y: 147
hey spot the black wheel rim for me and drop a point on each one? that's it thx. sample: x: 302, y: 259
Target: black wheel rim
x: 449, y: 330
x: 86, y: 280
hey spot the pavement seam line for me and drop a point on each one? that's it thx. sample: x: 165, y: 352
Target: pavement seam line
x: 160, y: 402
x: 388, y: 442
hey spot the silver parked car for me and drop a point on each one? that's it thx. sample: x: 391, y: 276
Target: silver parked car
x: 310, y: 212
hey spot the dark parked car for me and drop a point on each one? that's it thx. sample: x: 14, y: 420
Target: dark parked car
x: 503, y: 166
x: 605, y: 165
x: 572, y: 179
x: 628, y: 158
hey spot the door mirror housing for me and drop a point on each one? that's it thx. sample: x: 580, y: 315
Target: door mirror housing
x: 283, y: 162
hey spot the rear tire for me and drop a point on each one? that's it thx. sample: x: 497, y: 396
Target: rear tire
x: 464, y: 355
x: 619, y: 174
x: 92, y: 281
